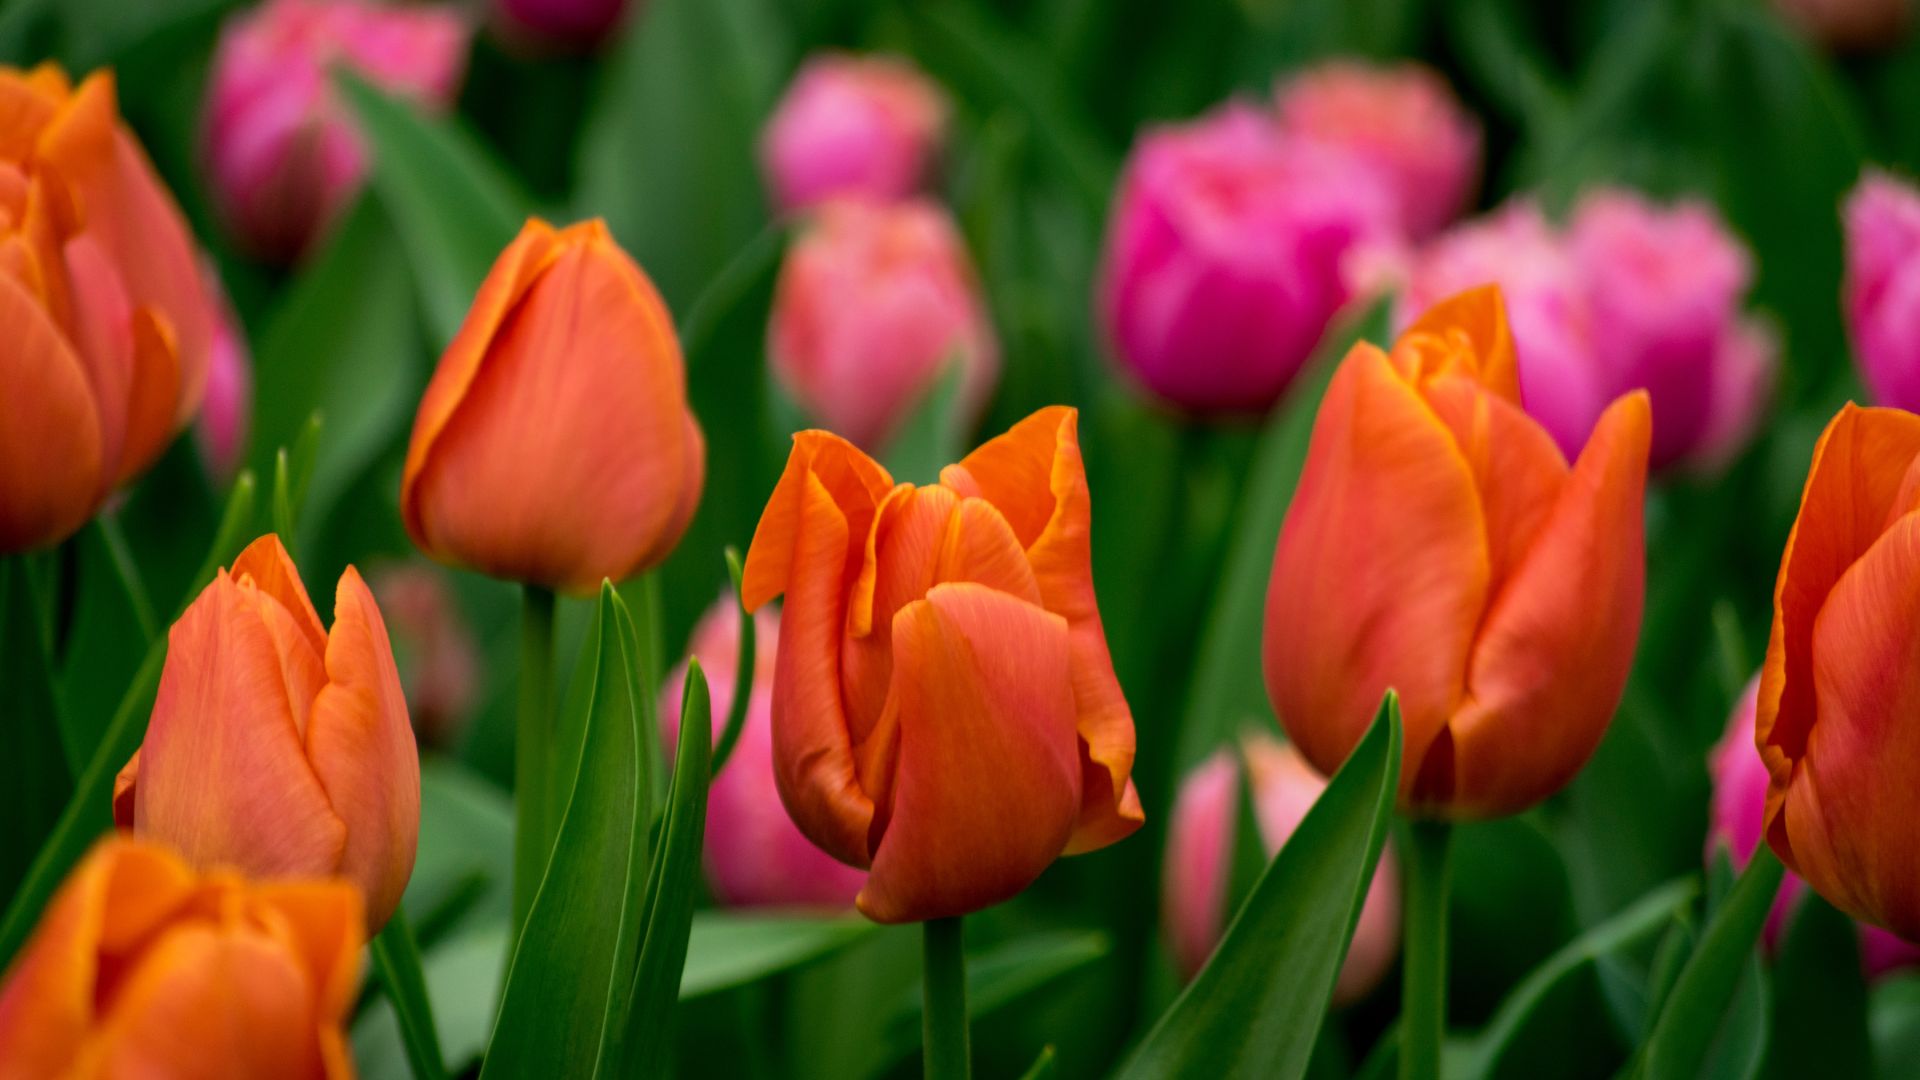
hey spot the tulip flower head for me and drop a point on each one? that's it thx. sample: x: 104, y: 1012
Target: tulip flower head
x: 554, y: 444
x: 277, y: 746
x: 1224, y: 252
x: 107, y: 320
x: 1882, y: 288
x: 1200, y: 847
x: 852, y: 126
x: 1439, y: 545
x: 284, y: 156
x: 226, y: 413
x: 141, y: 967
x: 1835, y: 718
x: 755, y: 855
x: 945, y: 711
x: 873, y: 302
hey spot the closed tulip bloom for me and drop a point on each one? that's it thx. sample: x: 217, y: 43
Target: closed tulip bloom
x: 1401, y: 120
x: 1439, y: 545
x: 1200, y: 847
x: 107, y: 322
x: 141, y: 967
x: 554, y: 444
x: 852, y: 126
x: 873, y: 302
x: 284, y: 155
x: 755, y: 855
x: 226, y: 411
x: 1835, y: 719
x: 1224, y: 252
x: 434, y: 646
x: 277, y: 746
x: 559, y: 24
x: 945, y: 712
x: 1738, y: 813
x: 1882, y: 287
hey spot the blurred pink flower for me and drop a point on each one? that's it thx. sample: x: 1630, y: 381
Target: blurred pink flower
x: 226, y: 410
x: 1882, y: 288
x: 1223, y: 261
x: 1738, y: 815
x: 284, y: 158
x: 863, y: 126
x: 875, y: 299
x: 1849, y: 24
x: 1403, y: 121
x: 755, y: 854
x: 1200, y: 850
x: 567, y: 25
x: 433, y: 646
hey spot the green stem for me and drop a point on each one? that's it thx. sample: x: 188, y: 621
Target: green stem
x: 533, y: 764
x: 744, y: 662
x: 1423, y: 1000
x: 120, y: 553
x: 396, y: 958
x: 944, y: 1020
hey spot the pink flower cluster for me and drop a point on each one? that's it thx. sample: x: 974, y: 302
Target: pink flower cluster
x: 1882, y: 289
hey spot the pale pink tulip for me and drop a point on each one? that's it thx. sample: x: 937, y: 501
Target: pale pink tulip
x: 1882, y: 289
x: 859, y: 126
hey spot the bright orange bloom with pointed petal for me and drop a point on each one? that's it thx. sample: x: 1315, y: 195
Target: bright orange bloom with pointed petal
x: 1439, y: 545
x: 1836, y: 721
x: 276, y: 746
x: 106, y: 321
x: 140, y: 967
x: 554, y: 444
x: 944, y: 709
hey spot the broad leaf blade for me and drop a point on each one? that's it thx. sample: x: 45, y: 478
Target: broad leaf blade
x: 727, y: 949
x: 1236, y: 1017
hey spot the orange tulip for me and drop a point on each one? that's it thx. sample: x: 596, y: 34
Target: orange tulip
x: 275, y: 746
x: 139, y: 967
x: 554, y: 444
x: 945, y: 713
x: 107, y: 323
x: 1836, y: 717
x: 1438, y: 544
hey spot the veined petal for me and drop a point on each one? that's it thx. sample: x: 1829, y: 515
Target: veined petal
x: 267, y: 565
x: 51, y: 454
x: 1467, y: 333
x: 854, y: 485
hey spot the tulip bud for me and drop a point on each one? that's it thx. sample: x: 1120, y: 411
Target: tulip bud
x: 852, y: 126
x: 226, y: 411
x: 755, y: 856
x: 277, y: 746
x: 1849, y: 25
x: 284, y: 156
x: 945, y: 712
x: 1223, y: 257
x: 1835, y: 717
x: 1439, y: 545
x: 1882, y: 289
x: 566, y: 25
x: 554, y: 444
x: 1200, y: 852
x: 434, y: 647
x: 874, y: 301
x: 140, y: 967
x: 1739, y: 809
x: 106, y: 317
x: 1403, y: 122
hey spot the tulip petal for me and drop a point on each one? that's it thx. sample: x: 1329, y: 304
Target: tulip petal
x: 987, y: 784
x: 1466, y: 331
x: 1551, y: 658
x: 1193, y: 892
x: 902, y: 552
x: 854, y: 485
x: 1381, y: 573
x: 361, y: 746
x: 51, y: 454
x: 1517, y: 467
x: 267, y: 565
x: 324, y: 923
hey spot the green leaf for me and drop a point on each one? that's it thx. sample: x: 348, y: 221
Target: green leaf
x: 1227, y: 688
x: 1819, y: 997
x: 463, y: 872
x: 1739, y: 1049
x: 932, y: 436
x: 645, y: 1046
x: 452, y: 203
x: 1894, y: 1016
x: 743, y: 669
x: 1236, y: 1017
x: 1043, y: 1066
x: 396, y: 960
x: 35, y: 777
x: 292, y: 471
x: 729, y: 949
x: 463, y: 980
x: 567, y: 961
x: 1683, y: 1034
x: 1525, y: 1013
x: 1002, y: 975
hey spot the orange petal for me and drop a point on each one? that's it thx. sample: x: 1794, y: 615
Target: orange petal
x: 988, y: 780
x: 267, y: 565
x: 1381, y: 573
x: 854, y: 485
x: 1467, y: 333
x: 1551, y: 659
x: 361, y: 746
x: 157, y: 384
x: 324, y: 922
x: 51, y: 451
x: 125, y: 782
x: 902, y: 553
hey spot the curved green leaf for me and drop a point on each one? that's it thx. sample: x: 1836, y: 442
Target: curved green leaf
x: 1684, y: 1033
x: 728, y: 949
x: 396, y: 960
x: 743, y: 669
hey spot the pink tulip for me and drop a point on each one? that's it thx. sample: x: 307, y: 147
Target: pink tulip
x: 1223, y: 257
x: 284, y: 157
x: 755, y: 855
x: 1402, y: 121
x: 862, y: 126
x: 1849, y: 24
x: 1200, y: 852
x: 563, y: 25
x: 226, y: 409
x: 874, y: 301
x: 1882, y: 289
x: 438, y: 658
x: 1739, y: 814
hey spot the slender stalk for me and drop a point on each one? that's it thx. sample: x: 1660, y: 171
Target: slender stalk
x: 120, y: 553
x: 1423, y: 995
x: 534, y: 814
x: 944, y: 1020
x: 396, y: 959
